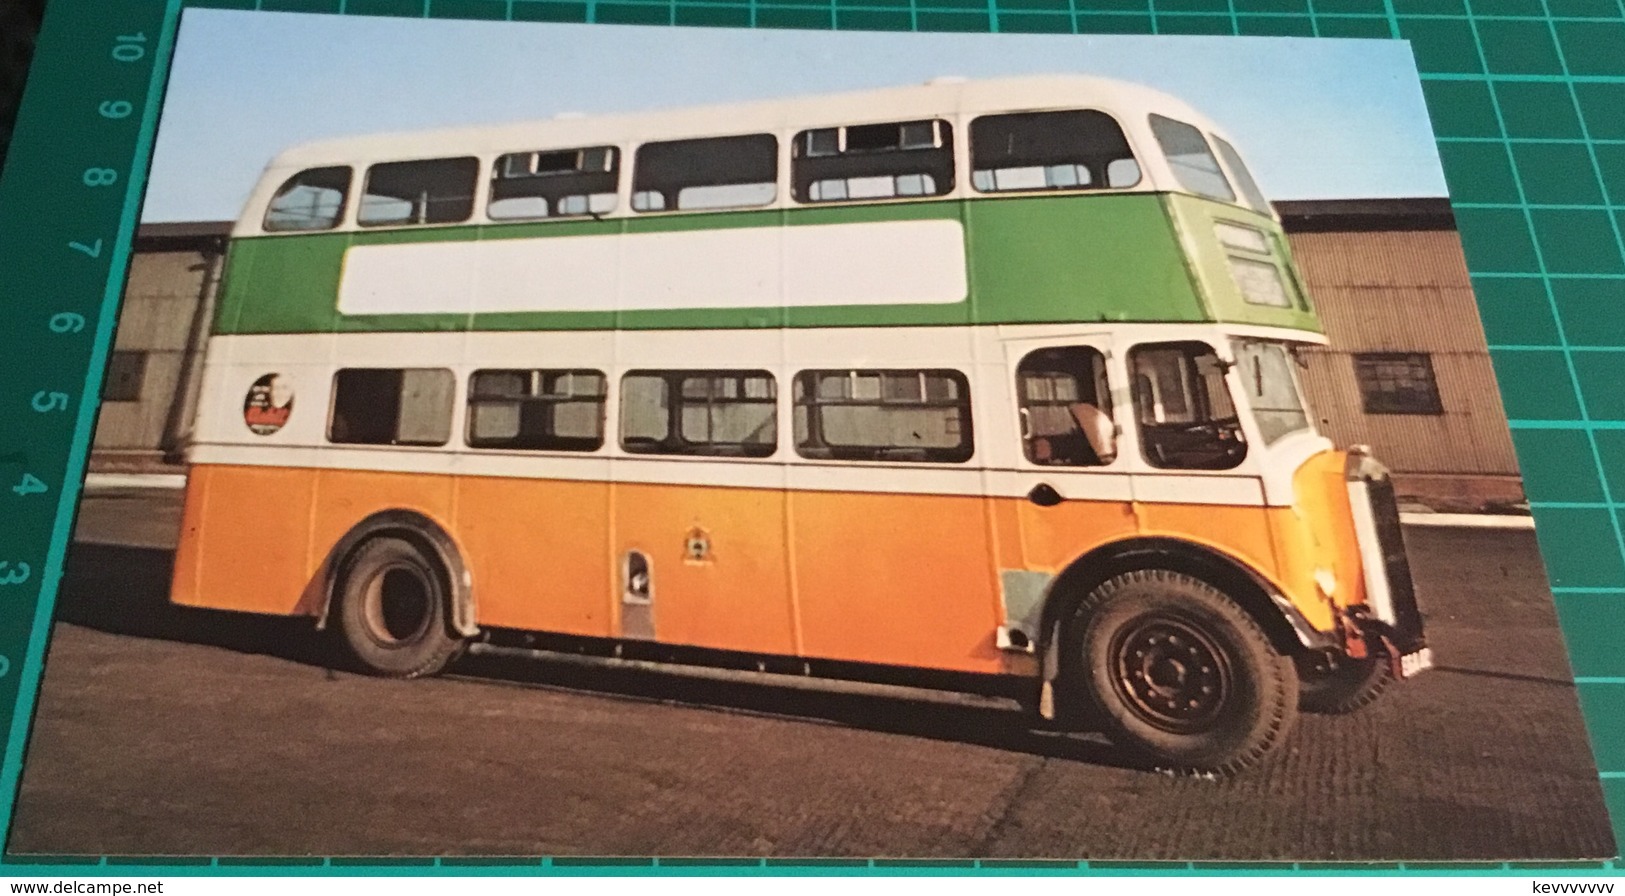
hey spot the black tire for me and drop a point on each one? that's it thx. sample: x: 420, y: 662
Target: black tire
x: 1180, y: 674
x: 1338, y: 686
x: 393, y: 608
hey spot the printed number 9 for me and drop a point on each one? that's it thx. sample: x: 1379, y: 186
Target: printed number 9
x: 67, y: 322
x: 49, y: 401
x: 100, y: 177
x: 115, y: 109
x: 16, y: 576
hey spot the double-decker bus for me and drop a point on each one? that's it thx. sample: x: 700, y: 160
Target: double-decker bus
x: 992, y: 379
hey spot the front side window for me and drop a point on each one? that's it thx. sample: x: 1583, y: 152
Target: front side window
x: 713, y: 173
x: 873, y: 161
x: 1193, y: 162
x: 1074, y: 150
x: 1265, y: 371
x: 430, y: 191
x: 391, y: 406
x: 893, y: 415
x: 1182, y: 404
x: 540, y: 410
x: 1243, y: 177
x: 554, y: 184
x: 310, y: 200
x: 1066, y: 408
x: 712, y: 412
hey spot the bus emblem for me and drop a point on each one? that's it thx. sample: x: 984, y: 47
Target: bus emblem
x: 268, y: 404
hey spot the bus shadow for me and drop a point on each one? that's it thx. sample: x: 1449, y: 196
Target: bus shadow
x: 125, y: 591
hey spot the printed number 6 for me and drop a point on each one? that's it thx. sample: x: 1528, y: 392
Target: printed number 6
x: 115, y: 109
x: 49, y: 401
x: 16, y: 576
x: 100, y: 177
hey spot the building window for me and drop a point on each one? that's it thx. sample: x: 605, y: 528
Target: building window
x: 310, y: 200
x: 717, y: 172
x: 554, y: 184
x: 1078, y: 150
x: 391, y: 406
x: 432, y: 191
x: 920, y: 416
x: 705, y: 412
x: 543, y: 410
x: 873, y: 161
x: 125, y: 373
x: 1397, y: 383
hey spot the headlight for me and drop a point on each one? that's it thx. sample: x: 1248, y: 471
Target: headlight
x: 1260, y: 282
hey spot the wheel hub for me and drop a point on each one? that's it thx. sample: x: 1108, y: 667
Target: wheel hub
x: 1168, y: 672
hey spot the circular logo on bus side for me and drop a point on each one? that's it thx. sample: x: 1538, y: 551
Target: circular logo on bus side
x: 268, y: 404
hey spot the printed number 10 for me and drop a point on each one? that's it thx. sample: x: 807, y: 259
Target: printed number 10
x: 128, y: 47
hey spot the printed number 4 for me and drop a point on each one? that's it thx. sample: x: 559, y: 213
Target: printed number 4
x: 30, y: 485
x: 16, y: 576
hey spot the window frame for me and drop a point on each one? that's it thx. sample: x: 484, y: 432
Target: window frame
x: 940, y: 157
x: 137, y: 359
x: 806, y: 382
x: 1152, y: 119
x: 472, y: 399
x: 1193, y: 385
x: 395, y: 441
x: 473, y: 194
x: 1417, y: 361
x: 613, y: 172
x: 1105, y: 185
x: 339, y: 216
x: 1101, y: 382
x: 672, y: 443
x: 637, y: 184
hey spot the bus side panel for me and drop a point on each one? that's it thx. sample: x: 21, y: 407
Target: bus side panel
x: 183, y: 588
x: 249, y: 531
x: 717, y: 563
x: 899, y: 579
x: 536, y: 548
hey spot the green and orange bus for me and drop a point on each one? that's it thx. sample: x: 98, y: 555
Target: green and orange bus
x: 991, y: 378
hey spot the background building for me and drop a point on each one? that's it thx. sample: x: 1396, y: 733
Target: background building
x: 1407, y: 371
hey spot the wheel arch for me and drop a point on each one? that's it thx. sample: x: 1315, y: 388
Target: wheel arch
x: 1288, y: 631
x: 428, y: 536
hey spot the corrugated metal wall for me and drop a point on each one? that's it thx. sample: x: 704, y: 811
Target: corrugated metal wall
x: 161, y: 300
x: 1404, y: 291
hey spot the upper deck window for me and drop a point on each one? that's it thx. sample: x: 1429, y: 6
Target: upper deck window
x: 554, y: 184
x: 313, y: 199
x: 716, y: 172
x: 873, y: 161
x: 1075, y: 150
x: 431, y: 191
x: 1192, y: 160
x: 1243, y: 177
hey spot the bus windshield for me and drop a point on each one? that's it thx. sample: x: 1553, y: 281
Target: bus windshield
x: 1265, y: 369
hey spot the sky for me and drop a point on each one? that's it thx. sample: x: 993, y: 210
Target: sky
x: 1315, y: 119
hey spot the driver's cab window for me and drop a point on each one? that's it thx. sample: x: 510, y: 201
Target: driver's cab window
x: 1182, y: 404
x: 1066, y: 409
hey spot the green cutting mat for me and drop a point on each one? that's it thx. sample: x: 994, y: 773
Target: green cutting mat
x: 1527, y: 98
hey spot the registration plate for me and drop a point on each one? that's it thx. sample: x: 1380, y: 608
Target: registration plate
x: 1415, y: 663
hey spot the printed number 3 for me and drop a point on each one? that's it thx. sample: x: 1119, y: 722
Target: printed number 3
x: 16, y: 576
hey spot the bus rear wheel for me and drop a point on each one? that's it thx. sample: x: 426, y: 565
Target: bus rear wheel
x: 392, y: 610
x: 1181, y: 674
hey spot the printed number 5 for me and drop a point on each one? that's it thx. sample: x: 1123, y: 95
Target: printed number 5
x: 49, y: 401
x: 16, y: 576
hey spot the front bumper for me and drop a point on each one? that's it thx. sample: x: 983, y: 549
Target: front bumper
x: 1392, y: 617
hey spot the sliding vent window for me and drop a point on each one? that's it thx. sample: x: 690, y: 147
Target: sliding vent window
x: 310, y: 200
x: 1076, y: 150
x: 537, y: 410
x: 391, y: 406
x: 920, y: 416
x: 1192, y: 160
x: 712, y: 413
x: 433, y: 191
x: 556, y: 184
x: 718, y: 172
x: 873, y: 161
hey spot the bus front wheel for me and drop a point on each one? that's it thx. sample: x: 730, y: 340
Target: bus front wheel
x: 1339, y: 685
x: 392, y: 610
x: 1181, y: 674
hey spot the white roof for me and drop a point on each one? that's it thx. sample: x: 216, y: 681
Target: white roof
x: 943, y: 97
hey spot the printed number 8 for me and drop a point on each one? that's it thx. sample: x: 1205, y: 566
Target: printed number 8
x: 100, y: 177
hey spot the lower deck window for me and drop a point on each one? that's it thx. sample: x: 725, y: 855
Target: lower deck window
x: 391, y: 406
x: 711, y: 412
x: 898, y: 415
x: 540, y: 410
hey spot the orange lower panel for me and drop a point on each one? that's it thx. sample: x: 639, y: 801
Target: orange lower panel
x: 909, y: 580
